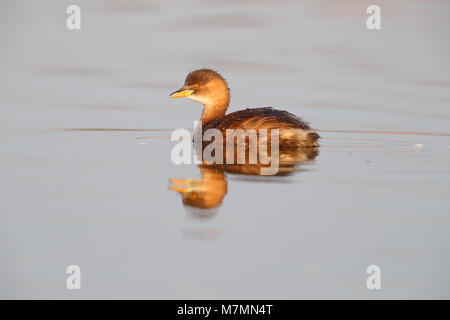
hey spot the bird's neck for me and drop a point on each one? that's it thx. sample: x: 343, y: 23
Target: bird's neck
x: 215, y: 101
x: 212, y: 111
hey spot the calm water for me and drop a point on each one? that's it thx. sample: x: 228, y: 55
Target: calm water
x: 85, y: 171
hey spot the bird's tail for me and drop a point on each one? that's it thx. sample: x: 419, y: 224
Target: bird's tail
x: 298, y: 138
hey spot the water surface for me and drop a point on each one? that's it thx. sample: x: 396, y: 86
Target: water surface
x: 85, y: 150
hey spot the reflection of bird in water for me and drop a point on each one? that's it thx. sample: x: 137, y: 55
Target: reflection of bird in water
x: 209, y: 191
x: 210, y: 88
x: 203, y: 193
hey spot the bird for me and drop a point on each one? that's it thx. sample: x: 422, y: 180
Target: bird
x: 209, y: 88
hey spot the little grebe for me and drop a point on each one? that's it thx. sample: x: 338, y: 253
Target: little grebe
x: 210, y: 88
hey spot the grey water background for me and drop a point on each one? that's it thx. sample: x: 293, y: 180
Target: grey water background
x: 85, y: 154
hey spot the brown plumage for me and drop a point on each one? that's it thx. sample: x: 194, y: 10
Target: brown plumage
x: 210, y: 88
x: 293, y: 131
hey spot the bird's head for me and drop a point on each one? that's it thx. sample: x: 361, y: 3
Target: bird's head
x: 205, y: 86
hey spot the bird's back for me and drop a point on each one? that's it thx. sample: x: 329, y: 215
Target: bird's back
x: 294, y: 132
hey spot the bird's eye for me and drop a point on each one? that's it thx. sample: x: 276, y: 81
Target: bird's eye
x: 195, y: 86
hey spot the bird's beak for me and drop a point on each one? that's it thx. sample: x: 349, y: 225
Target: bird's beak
x: 183, y: 92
